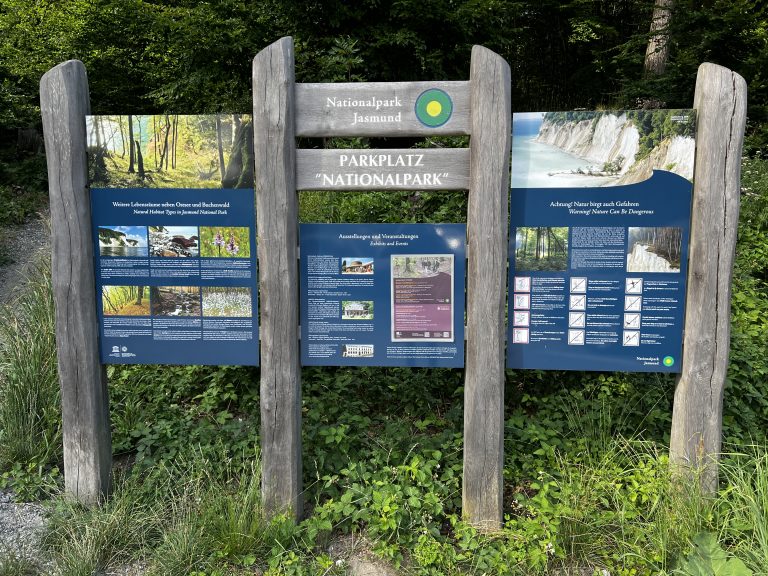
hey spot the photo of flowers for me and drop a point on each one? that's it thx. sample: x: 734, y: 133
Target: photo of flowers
x: 225, y: 242
x: 227, y: 301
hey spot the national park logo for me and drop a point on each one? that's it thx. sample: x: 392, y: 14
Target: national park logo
x: 434, y: 107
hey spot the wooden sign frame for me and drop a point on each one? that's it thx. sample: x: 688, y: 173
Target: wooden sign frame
x: 284, y: 110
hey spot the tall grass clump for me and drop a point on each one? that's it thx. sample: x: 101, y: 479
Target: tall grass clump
x: 743, y: 506
x: 193, y: 514
x: 30, y: 413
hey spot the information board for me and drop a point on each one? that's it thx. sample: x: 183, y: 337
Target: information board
x: 382, y: 294
x: 599, y: 240
x: 175, y: 267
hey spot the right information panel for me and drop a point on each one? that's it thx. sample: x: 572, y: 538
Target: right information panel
x: 600, y: 216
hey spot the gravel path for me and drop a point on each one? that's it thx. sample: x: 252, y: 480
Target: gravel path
x: 21, y: 527
x: 23, y: 244
x: 21, y: 524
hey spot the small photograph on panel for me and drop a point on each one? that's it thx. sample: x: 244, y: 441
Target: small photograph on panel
x: 175, y: 300
x: 227, y: 301
x: 125, y: 300
x: 225, y: 242
x: 173, y: 241
x: 123, y: 241
x: 654, y: 249
x: 357, y: 309
x: 357, y: 351
x: 541, y: 248
x: 356, y: 265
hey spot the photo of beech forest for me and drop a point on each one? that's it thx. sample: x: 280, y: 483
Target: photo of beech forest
x: 357, y: 309
x: 125, y: 300
x: 175, y: 300
x: 170, y: 151
x: 123, y: 241
x: 227, y: 301
x: 225, y: 242
x: 654, y: 249
x: 173, y: 241
x: 541, y: 248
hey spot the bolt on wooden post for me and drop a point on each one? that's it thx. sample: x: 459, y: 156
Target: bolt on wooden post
x: 64, y: 103
x: 283, y: 110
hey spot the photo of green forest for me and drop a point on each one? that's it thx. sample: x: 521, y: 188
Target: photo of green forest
x: 125, y: 300
x: 541, y: 248
x: 170, y: 151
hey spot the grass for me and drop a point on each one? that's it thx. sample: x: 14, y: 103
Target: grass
x: 29, y: 389
x: 187, y: 516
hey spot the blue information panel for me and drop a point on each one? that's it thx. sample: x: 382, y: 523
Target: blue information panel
x: 382, y: 294
x: 176, y: 275
x: 597, y: 276
x: 600, y: 217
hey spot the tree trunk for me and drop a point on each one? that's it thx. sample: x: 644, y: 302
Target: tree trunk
x: 175, y: 138
x: 658, y: 44
x: 220, y: 145
x: 131, y: 154
x: 140, y: 160
x: 140, y: 295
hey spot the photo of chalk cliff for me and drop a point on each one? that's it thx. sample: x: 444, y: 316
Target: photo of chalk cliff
x: 603, y: 148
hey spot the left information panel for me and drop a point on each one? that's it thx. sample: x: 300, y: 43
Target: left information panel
x: 174, y: 228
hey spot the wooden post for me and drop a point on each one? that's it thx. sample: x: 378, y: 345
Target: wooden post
x: 720, y: 102
x: 277, y: 215
x: 64, y: 103
x: 487, y: 225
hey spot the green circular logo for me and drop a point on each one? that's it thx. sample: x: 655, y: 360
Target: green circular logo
x: 434, y: 107
x: 668, y: 361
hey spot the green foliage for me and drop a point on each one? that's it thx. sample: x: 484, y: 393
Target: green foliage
x: 746, y: 405
x: 709, y: 559
x: 23, y: 187
x: 655, y: 126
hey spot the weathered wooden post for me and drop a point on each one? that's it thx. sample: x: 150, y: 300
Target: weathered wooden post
x: 277, y: 220
x: 491, y: 130
x: 64, y: 102
x: 720, y: 102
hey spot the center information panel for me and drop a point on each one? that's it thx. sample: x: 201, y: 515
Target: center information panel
x: 382, y: 294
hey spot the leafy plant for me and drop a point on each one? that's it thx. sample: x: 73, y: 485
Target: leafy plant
x: 709, y: 559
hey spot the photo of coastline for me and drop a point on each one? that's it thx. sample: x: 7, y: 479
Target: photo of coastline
x: 125, y: 241
x: 605, y: 148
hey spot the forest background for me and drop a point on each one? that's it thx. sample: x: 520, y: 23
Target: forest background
x: 586, y: 474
